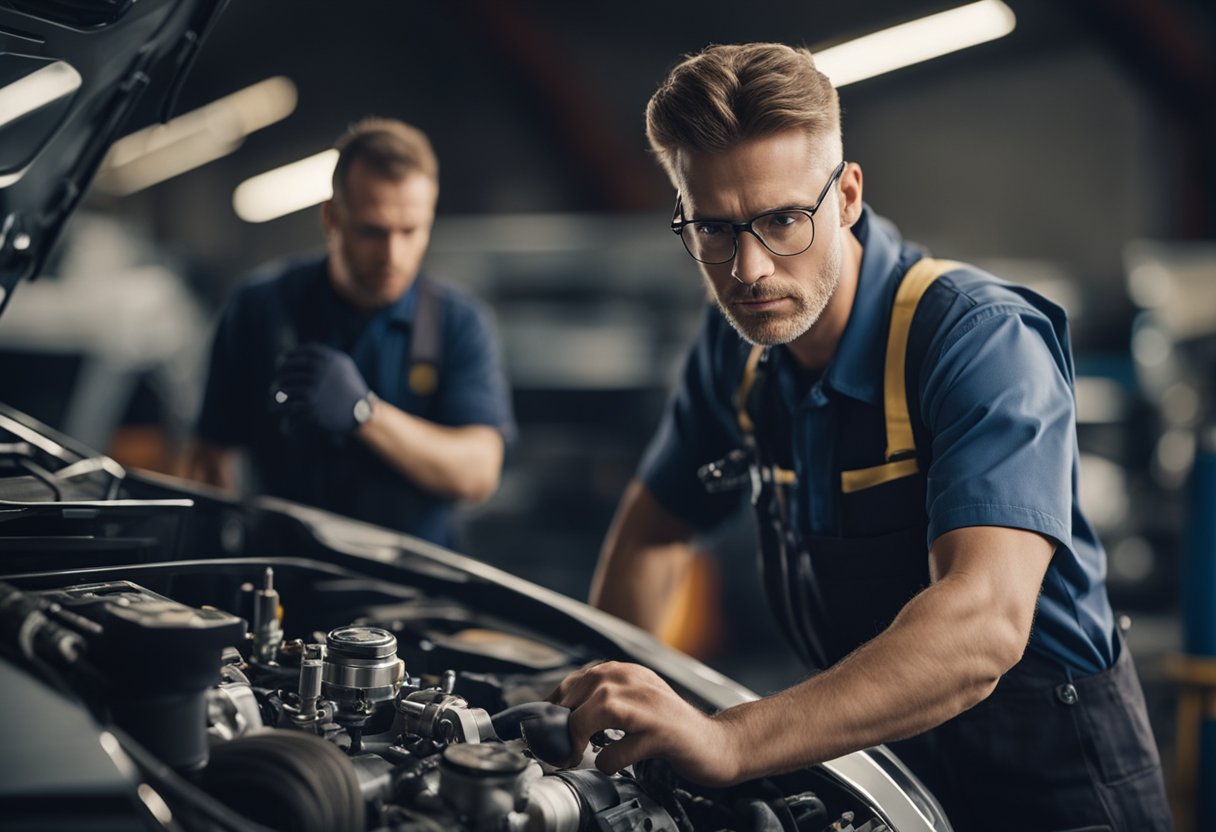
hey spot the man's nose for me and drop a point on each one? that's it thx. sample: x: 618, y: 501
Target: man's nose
x: 753, y: 262
x: 396, y: 249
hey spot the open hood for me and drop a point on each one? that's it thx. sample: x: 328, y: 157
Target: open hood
x: 71, y: 73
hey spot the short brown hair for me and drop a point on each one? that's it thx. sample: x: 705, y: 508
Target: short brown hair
x: 391, y: 148
x: 728, y: 93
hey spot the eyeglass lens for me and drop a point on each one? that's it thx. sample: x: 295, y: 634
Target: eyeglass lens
x: 783, y: 233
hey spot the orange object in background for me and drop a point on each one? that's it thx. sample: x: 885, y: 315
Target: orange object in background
x: 143, y: 446
x: 694, y: 623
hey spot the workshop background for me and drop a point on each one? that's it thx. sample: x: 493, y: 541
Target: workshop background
x: 1073, y: 154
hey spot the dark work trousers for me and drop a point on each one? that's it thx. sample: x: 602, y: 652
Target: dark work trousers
x: 1095, y: 765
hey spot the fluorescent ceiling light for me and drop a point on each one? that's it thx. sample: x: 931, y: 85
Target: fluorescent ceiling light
x: 193, y: 139
x: 915, y: 41
x: 43, y: 86
x: 285, y: 190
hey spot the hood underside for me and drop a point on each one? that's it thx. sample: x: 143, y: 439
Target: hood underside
x: 71, y: 74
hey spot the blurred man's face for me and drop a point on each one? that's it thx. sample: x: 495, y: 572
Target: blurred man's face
x: 769, y: 299
x: 377, y: 230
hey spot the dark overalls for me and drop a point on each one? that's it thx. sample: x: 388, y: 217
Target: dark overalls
x: 1048, y: 750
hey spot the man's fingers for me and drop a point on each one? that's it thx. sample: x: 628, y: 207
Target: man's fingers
x: 573, y: 689
x: 626, y: 752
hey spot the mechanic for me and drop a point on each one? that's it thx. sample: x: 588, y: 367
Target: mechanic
x: 355, y: 382
x: 906, y: 430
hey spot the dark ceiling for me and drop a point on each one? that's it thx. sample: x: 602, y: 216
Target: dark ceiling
x: 536, y: 105
x: 555, y: 90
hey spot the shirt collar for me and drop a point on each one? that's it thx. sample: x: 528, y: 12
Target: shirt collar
x: 857, y: 368
x: 402, y: 311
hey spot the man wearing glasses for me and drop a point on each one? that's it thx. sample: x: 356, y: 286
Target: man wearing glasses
x: 904, y: 428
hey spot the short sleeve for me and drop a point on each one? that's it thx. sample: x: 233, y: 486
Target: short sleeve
x: 999, y: 405
x: 698, y: 427
x: 473, y: 385
x: 223, y: 416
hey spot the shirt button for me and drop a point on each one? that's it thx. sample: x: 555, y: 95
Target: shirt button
x: 1067, y: 694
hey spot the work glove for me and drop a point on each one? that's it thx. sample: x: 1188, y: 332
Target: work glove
x: 319, y: 386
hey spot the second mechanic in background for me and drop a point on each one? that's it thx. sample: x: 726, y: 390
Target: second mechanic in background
x: 355, y: 382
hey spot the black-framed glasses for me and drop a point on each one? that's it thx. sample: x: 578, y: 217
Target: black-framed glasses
x: 785, y: 232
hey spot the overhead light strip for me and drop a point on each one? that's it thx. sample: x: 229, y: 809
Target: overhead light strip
x: 916, y: 41
x: 287, y: 189
x: 44, y: 86
x: 154, y: 154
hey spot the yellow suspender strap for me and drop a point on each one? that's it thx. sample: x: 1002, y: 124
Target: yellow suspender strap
x: 901, y: 446
x: 745, y: 389
x: 781, y: 476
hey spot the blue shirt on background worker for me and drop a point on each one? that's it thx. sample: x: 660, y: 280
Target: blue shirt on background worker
x: 354, y: 382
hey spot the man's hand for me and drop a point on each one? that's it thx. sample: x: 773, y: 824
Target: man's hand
x: 656, y: 722
x: 319, y: 385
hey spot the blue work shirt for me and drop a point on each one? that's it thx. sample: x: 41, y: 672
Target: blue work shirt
x: 996, y: 399
x: 293, y: 303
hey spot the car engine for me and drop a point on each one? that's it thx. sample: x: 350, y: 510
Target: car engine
x: 286, y: 697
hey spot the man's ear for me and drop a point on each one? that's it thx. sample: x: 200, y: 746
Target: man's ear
x: 850, y: 194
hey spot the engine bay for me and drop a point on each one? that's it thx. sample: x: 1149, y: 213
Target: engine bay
x: 291, y: 694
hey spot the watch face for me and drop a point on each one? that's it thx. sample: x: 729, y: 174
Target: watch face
x: 363, y: 410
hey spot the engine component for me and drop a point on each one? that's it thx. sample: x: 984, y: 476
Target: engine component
x: 310, y: 713
x: 159, y: 658
x: 543, y: 726
x: 608, y: 804
x: 287, y: 780
x: 483, y: 784
x: 361, y: 669
x: 24, y: 623
x: 420, y: 759
x: 232, y: 707
x: 433, y: 714
x: 267, y: 631
x: 361, y: 664
x: 553, y: 806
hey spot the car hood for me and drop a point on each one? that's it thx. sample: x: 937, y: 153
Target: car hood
x: 71, y: 75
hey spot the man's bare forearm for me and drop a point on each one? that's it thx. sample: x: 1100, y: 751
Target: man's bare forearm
x: 937, y: 660
x: 644, y: 558
x: 943, y: 654
x: 461, y: 463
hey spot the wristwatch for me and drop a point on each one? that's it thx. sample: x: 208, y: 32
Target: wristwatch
x: 364, y: 407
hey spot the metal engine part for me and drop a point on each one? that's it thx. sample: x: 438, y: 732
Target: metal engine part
x: 432, y: 714
x: 361, y: 665
x: 483, y: 784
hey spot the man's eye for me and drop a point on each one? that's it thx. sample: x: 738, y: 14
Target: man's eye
x: 709, y: 229
x: 784, y: 220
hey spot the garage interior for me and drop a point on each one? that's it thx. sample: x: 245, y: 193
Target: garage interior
x: 1073, y: 155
